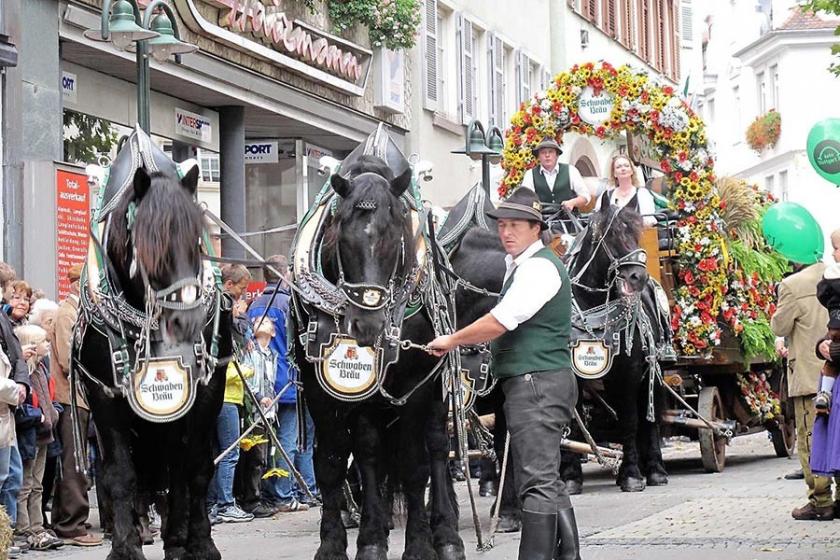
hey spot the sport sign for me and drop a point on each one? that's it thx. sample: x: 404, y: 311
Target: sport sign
x: 261, y: 152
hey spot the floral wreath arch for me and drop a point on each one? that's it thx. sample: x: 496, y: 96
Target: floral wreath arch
x: 601, y: 100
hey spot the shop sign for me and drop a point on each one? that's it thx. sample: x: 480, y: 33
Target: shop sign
x: 254, y: 290
x: 642, y: 151
x: 193, y: 126
x: 69, y: 85
x: 389, y: 90
x: 261, y: 152
x: 258, y: 28
x: 595, y: 108
x: 72, y: 221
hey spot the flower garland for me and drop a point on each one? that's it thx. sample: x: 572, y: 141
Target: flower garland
x: 643, y: 107
x: 759, y: 397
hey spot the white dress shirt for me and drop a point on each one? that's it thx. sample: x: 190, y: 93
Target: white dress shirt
x: 536, y: 282
x: 575, y: 179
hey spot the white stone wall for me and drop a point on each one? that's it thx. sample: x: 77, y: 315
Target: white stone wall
x: 550, y: 34
x: 805, y: 94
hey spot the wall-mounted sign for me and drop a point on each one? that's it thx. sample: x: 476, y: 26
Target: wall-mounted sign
x: 72, y: 206
x: 389, y: 87
x: 69, y: 87
x: 262, y: 31
x: 642, y: 152
x: 261, y: 152
x: 193, y: 126
x: 595, y: 109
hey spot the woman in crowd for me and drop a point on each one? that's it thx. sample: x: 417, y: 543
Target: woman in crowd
x: 36, y: 418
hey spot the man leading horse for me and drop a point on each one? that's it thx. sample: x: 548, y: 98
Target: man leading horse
x: 530, y: 329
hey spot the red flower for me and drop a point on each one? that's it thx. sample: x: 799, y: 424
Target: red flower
x: 683, y: 156
x: 688, y: 277
x: 600, y: 131
x: 666, y: 167
x: 678, y: 176
x: 706, y: 318
x: 694, y: 176
x: 536, y: 109
x: 668, y: 90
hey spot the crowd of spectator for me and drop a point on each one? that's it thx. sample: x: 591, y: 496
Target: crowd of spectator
x: 44, y: 494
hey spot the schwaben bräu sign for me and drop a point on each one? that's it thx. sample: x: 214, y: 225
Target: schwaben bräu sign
x: 259, y: 28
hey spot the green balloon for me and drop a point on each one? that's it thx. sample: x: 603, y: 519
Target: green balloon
x: 792, y: 231
x: 824, y: 149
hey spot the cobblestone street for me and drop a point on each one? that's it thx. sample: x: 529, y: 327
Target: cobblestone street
x: 740, y: 514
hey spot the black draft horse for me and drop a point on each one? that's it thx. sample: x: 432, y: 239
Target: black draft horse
x: 371, y: 234
x: 480, y: 260
x: 138, y: 456
x: 613, y: 235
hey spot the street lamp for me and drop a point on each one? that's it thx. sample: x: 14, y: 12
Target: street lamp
x: 157, y: 36
x: 484, y: 146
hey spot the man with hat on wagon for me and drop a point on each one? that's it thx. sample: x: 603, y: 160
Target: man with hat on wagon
x: 555, y: 182
x: 530, y: 329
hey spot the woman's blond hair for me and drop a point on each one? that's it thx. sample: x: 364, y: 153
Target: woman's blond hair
x: 31, y: 334
x: 613, y: 180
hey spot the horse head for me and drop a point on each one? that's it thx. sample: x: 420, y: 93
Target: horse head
x: 368, y: 246
x: 154, y: 248
x: 610, y: 259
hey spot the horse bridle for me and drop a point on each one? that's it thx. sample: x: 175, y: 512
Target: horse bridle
x: 636, y: 257
x: 369, y: 296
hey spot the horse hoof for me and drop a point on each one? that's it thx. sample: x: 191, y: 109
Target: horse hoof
x: 372, y: 552
x: 323, y: 554
x: 451, y: 552
x: 574, y: 487
x: 509, y: 524
x: 632, y: 484
x: 657, y: 479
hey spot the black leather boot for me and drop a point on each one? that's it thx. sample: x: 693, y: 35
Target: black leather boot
x: 568, y: 547
x: 539, y: 536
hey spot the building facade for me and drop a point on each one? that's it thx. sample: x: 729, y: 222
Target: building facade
x: 482, y: 59
x: 270, y: 90
x: 770, y: 56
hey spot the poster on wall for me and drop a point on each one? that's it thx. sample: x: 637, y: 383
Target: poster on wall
x: 72, y: 220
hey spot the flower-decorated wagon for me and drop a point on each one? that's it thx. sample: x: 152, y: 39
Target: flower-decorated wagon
x: 707, y: 250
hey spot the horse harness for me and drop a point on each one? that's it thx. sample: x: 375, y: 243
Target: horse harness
x: 130, y: 332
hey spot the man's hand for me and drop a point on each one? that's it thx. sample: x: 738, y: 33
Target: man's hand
x: 781, y: 349
x: 569, y: 205
x: 824, y: 349
x: 21, y: 393
x: 265, y: 402
x: 441, y: 345
x: 240, y: 307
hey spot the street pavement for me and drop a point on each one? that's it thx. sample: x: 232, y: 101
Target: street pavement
x: 742, y: 513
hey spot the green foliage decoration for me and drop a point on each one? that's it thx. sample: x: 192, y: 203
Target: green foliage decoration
x: 87, y: 137
x: 391, y: 23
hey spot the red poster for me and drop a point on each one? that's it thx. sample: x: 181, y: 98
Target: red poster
x: 255, y: 288
x: 72, y: 222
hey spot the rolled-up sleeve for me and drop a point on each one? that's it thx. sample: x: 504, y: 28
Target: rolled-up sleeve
x: 578, y: 184
x: 535, y: 282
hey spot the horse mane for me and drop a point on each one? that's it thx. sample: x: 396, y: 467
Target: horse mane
x: 165, y: 215
x: 624, y: 232
x: 382, y: 198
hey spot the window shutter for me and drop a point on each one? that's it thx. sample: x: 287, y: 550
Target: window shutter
x: 644, y: 36
x: 496, y: 75
x: 466, y: 58
x: 626, y: 13
x: 687, y: 23
x: 660, y: 35
x: 523, y: 78
x: 591, y: 8
x: 430, y: 45
x: 609, y: 22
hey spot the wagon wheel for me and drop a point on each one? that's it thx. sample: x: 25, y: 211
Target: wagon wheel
x: 783, y: 429
x: 712, y: 448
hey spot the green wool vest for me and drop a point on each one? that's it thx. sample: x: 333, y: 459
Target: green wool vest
x: 542, y: 342
x: 561, y: 191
